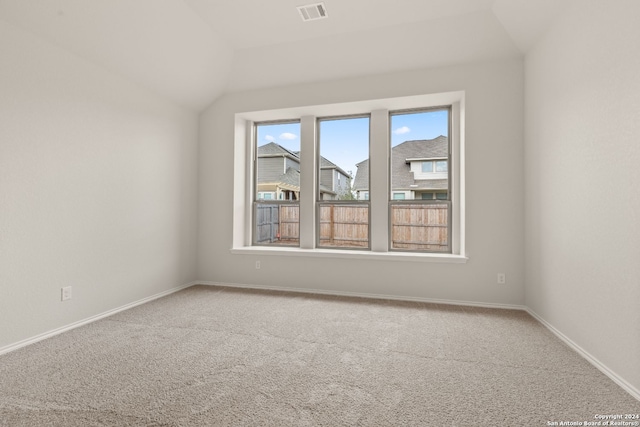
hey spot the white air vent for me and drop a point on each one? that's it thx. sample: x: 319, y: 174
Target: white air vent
x: 311, y: 12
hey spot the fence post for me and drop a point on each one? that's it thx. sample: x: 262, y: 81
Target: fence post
x: 274, y: 223
x: 331, y: 224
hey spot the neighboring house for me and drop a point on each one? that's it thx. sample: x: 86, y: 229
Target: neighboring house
x: 335, y: 183
x: 419, y: 171
x: 279, y: 175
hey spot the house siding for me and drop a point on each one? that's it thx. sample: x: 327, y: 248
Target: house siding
x: 270, y: 168
x: 342, y: 186
x: 326, y: 178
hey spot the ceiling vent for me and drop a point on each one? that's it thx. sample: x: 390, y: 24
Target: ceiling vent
x: 311, y: 12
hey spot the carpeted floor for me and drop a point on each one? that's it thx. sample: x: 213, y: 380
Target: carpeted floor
x: 214, y: 356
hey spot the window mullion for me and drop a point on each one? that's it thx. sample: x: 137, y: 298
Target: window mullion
x: 379, y: 180
x: 308, y: 161
x: 456, y: 174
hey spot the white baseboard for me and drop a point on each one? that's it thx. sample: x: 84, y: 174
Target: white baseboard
x: 49, y: 334
x: 368, y: 295
x: 634, y: 392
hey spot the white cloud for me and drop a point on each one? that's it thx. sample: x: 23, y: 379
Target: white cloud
x: 288, y: 135
x: 402, y: 130
x: 269, y: 138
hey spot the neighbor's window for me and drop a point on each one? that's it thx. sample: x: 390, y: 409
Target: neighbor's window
x: 277, y: 184
x: 420, y: 154
x: 343, y: 210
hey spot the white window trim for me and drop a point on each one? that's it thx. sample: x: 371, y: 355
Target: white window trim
x: 244, y: 155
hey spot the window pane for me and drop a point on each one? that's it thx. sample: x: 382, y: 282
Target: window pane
x: 344, y: 146
x: 277, y: 178
x: 278, y: 168
x: 420, y: 227
x: 418, y: 140
x: 419, y: 171
x: 277, y: 224
x: 344, y: 149
x: 344, y: 225
x: 441, y: 166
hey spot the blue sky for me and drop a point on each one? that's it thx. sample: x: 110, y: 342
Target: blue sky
x: 345, y: 142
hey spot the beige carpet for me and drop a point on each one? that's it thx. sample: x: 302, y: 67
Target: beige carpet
x: 213, y: 356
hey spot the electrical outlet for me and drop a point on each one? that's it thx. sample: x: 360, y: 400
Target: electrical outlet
x: 257, y: 265
x: 502, y: 279
x: 66, y: 293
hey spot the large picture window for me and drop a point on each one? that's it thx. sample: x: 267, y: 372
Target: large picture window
x: 367, y: 182
x: 277, y: 184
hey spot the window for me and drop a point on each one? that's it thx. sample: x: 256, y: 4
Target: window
x: 418, y: 222
x: 431, y: 196
x: 343, y: 218
x: 406, y: 209
x: 277, y: 184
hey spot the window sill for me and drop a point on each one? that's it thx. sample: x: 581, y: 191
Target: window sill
x: 352, y: 254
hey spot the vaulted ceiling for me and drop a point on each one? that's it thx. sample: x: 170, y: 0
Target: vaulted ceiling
x: 192, y: 51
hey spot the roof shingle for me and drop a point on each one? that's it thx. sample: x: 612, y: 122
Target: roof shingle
x: 402, y: 177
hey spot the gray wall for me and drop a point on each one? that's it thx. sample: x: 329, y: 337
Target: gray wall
x: 495, y: 228
x: 582, y: 156
x: 97, y: 189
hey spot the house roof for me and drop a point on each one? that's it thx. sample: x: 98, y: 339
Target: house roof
x: 402, y: 177
x: 361, y: 182
x: 272, y: 150
x: 290, y: 177
x: 327, y: 164
x: 325, y: 189
x: 422, y: 148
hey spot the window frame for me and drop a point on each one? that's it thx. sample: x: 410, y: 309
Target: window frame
x: 319, y: 202
x: 243, y: 155
x: 434, y: 201
x: 254, y: 183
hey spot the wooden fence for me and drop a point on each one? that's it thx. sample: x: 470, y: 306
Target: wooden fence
x: 420, y: 227
x: 413, y: 226
x: 278, y: 224
x: 344, y: 225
